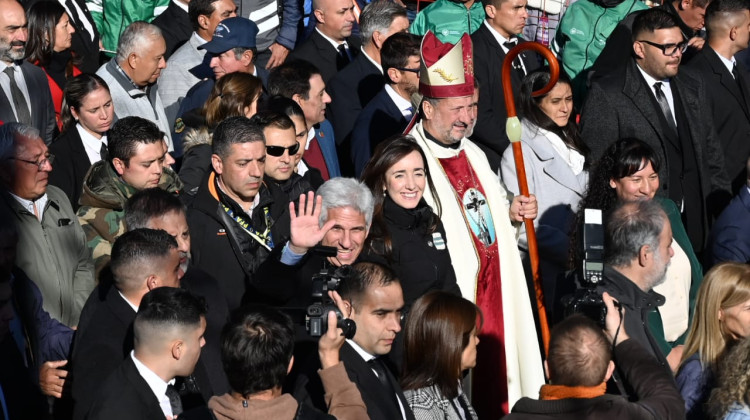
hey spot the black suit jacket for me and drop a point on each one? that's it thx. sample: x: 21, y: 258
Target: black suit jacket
x: 125, y: 395
x: 729, y: 109
x: 379, y: 120
x: 71, y: 164
x: 489, y: 132
x: 41, y: 106
x: 378, y: 402
x: 321, y: 53
x: 351, y: 89
x: 175, y: 27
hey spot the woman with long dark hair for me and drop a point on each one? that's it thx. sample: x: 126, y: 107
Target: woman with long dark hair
x: 441, y: 336
x: 87, y: 114
x: 629, y: 171
x: 406, y: 234
x: 555, y: 160
x: 48, y: 46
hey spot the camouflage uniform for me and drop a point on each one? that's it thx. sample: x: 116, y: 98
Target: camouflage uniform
x: 102, y: 214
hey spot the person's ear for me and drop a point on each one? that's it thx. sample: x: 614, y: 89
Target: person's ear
x: 378, y: 39
x: 685, y: 4
x: 217, y: 164
x: 645, y: 256
x: 490, y: 11
x: 394, y: 75
x: 119, y: 165
x: 612, y: 183
x: 152, y: 282
x: 638, y: 50
x: 203, y: 21
x: 291, y: 363
x: 74, y: 113
x: 733, y: 33
x: 297, y: 98
x: 721, y: 314
x: 133, y: 60
x: 319, y: 15
x: 177, y: 349
x: 348, y: 307
x: 247, y: 58
x: 428, y: 109
x: 610, y: 371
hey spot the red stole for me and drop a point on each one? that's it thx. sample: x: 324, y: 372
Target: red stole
x: 314, y: 157
x: 490, y: 380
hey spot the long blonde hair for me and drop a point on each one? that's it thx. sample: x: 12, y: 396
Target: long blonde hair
x: 724, y: 286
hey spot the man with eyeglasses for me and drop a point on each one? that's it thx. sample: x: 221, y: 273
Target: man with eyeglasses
x: 648, y: 100
x: 235, y: 219
x: 390, y: 111
x: 52, y: 247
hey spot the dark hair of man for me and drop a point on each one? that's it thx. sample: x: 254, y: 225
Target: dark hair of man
x: 387, y: 154
x: 282, y: 105
x: 718, y: 11
x: 439, y: 324
x: 363, y: 277
x: 529, y: 109
x: 125, y: 135
x: 235, y: 130
x: 651, y: 20
x: 133, y: 251
x: 701, y: 3
x: 622, y: 158
x: 149, y: 204
x: 200, y: 8
x: 629, y: 227
x: 579, y: 353
x: 256, y: 348
x: 292, y: 78
x: 270, y: 119
x: 163, y: 309
x: 397, y: 50
x: 76, y: 90
x: 495, y: 3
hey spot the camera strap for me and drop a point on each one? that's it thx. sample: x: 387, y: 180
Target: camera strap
x: 615, y: 376
x: 264, y: 238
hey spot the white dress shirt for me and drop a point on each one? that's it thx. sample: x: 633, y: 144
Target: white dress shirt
x: 406, y: 108
x: 91, y: 144
x: 665, y: 88
x: 40, y: 203
x: 502, y: 40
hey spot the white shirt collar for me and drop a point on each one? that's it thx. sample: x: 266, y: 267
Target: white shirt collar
x: 729, y: 63
x: 360, y: 351
x: 40, y: 204
x: 310, y: 136
x: 500, y: 38
x: 135, y: 308
x: 650, y: 80
x: 374, y: 63
x: 198, y: 39
x: 402, y: 104
x: 331, y: 40
x: 182, y: 5
x: 157, y: 384
x: 91, y: 144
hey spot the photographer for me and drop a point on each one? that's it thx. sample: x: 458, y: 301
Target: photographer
x: 257, y: 348
x: 579, y: 365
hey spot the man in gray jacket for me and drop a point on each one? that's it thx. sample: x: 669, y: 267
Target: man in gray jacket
x: 52, y: 247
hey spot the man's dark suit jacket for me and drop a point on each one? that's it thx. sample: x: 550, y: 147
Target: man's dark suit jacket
x: 71, y: 164
x: 351, y: 89
x: 729, y: 109
x: 125, y: 395
x: 41, y: 106
x: 318, y: 51
x: 380, y: 405
x: 489, y: 132
x: 730, y: 236
x: 175, y: 27
x: 621, y: 105
x: 379, y: 120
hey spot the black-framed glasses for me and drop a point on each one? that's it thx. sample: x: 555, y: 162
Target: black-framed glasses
x: 279, y: 150
x: 668, y: 49
x: 415, y: 71
x: 40, y: 164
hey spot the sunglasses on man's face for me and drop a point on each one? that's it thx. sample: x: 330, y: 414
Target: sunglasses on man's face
x: 279, y: 150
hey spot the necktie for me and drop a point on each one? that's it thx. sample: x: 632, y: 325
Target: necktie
x: 379, y: 368
x: 174, y: 400
x: 19, y: 101
x: 103, y: 151
x: 344, y: 57
x: 664, y: 105
x: 517, y: 66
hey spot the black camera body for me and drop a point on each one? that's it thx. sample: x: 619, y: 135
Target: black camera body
x: 316, y: 315
x: 586, y: 300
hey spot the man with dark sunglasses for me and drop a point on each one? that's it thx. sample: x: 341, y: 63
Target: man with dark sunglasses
x: 648, y: 99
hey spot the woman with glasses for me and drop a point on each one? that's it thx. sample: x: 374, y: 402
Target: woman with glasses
x: 555, y: 160
x: 87, y: 114
x: 235, y: 94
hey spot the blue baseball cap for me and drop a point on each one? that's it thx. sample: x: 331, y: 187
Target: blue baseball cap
x: 234, y: 32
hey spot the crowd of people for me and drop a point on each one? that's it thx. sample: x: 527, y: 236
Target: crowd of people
x: 218, y: 209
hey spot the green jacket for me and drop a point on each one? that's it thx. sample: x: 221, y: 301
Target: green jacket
x: 102, y: 213
x: 113, y: 16
x: 448, y: 20
x: 54, y: 255
x: 582, y: 34
x: 680, y: 236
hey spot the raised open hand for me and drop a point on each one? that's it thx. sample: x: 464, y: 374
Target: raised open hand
x: 305, y: 231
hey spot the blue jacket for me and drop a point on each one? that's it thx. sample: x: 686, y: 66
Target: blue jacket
x: 327, y: 142
x: 730, y: 237
x: 695, y: 384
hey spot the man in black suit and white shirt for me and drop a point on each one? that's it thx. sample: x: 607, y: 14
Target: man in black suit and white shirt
x: 24, y: 91
x: 726, y: 82
x: 168, y: 335
x: 330, y: 47
x: 492, y: 41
